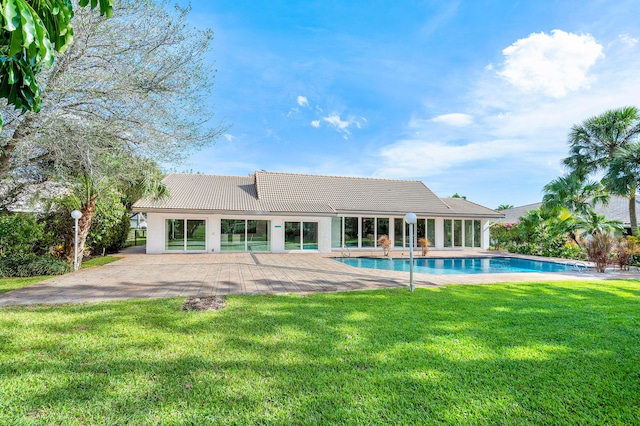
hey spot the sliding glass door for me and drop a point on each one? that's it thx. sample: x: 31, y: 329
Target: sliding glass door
x: 245, y: 235
x: 301, y: 235
x: 185, y: 235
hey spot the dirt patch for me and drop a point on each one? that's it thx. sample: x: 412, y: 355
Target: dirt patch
x: 204, y: 303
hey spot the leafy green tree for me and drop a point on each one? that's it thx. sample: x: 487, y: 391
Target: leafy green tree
x: 573, y: 193
x: 138, y: 78
x: 32, y: 30
x: 504, y: 207
x: 593, y: 223
x: 594, y: 146
x: 456, y: 195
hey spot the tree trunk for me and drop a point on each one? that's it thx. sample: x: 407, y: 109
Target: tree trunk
x: 633, y: 220
x: 84, y: 224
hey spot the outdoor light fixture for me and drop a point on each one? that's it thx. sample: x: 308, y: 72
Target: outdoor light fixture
x: 76, y: 214
x: 411, y: 219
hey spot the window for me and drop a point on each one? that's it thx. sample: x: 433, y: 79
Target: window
x: 245, y: 235
x: 368, y: 232
x: 448, y: 233
x: 351, y: 231
x: 336, y: 232
x: 382, y: 228
x: 185, y: 235
x: 398, y: 232
x: 477, y: 233
x: 301, y: 235
x: 457, y: 233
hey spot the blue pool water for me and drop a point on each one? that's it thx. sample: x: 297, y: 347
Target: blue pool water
x: 469, y: 265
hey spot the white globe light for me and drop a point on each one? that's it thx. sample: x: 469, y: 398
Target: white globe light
x: 411, y: 218
x: 76, y: 214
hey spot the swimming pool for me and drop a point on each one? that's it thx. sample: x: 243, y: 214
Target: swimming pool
x: 459, y: 265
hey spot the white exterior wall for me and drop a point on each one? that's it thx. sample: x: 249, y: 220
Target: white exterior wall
x: 156, y: 231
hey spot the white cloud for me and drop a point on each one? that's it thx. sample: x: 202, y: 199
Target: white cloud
x: 454, y: 119
x: 342, y: 126
x: 228, y: 137
x: 315, y: 123
x: 303, y: 101
x: 554, y: 64
x: 628, y: 40
x: 416, y: 157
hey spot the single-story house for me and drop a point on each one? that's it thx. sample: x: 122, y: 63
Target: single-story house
x: 616, y: 209
x: 284, y: 212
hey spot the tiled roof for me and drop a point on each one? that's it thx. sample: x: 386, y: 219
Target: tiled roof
x: 469, y: 208
x: 299, y: 193
x: 616, y: 209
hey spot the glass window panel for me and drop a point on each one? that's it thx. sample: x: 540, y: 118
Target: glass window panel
x: 468, y: 233
x: 406, y: 236
x: 368, y: 232
x: 351, y: 231
x: 431, y: 232
x: 457, y: 233
x: 310, y: 235
x: 398, y: 224
x: 448, y: 232
x: 477, y: 233
x: 336, y: 232
x: 258, y: 236
x: 383, y: 227
x: 232, y: 235
x: 292, y: 236
x: 175, y: 234
x: 196, y: 234
x: 421, y: 229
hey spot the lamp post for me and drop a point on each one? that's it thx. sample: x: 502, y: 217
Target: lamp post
x: 411, y: 219
x: 76, y: 214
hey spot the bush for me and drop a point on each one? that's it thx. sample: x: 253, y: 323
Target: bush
x: 21, y: 234
x: 31, y: 265
x: 114, y: 238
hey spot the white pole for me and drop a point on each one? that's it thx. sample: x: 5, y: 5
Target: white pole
x: 75, y: 246
x: 76, y: 214
x: 411, y: 219
x: 411, y: 257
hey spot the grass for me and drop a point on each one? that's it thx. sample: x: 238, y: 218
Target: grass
x: 8, y: 284
x: 535, y: 353
x: 99, y: 261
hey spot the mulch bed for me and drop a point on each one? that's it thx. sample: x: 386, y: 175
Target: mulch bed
x: 207, y: 303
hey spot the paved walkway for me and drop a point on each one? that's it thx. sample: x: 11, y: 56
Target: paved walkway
x: 172, y: 275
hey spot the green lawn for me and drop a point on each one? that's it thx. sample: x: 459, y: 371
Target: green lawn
x: 538, y: 353
x: 8, y: 284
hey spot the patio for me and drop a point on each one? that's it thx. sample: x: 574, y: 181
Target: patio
x: 174, y: 275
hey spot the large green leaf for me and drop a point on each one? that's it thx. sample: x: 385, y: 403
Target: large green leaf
x: 31, y: 31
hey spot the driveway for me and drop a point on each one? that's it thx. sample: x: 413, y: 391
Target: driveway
x: 173, y: 275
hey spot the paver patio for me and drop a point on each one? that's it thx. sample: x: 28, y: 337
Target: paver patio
x: 172, y: 275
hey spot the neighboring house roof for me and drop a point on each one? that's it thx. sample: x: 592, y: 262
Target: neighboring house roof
x: 270, y: 192
x: 616, y: 209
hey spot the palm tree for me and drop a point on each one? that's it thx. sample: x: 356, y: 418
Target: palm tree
x: 593, y: 224
x: 504, y: 207
x: 594, y: 144
x: 573, y: 193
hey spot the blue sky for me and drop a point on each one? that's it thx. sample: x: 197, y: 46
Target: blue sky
x: 473, y: 97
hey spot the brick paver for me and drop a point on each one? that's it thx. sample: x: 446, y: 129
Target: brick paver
x: 171, y: 275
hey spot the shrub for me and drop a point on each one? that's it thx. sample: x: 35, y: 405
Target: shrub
x: 423, y: 243
x: 21, y: 234
x: 599, y: 250
x: 113, y: 238
x: 385, y: 243
x: 31, y: 265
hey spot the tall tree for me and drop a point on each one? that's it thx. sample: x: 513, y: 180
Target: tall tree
x: 139, y: 78
x: 31, y: 31
x: 573, y: 193
x: 595, y: 143
x: 504, y: 207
